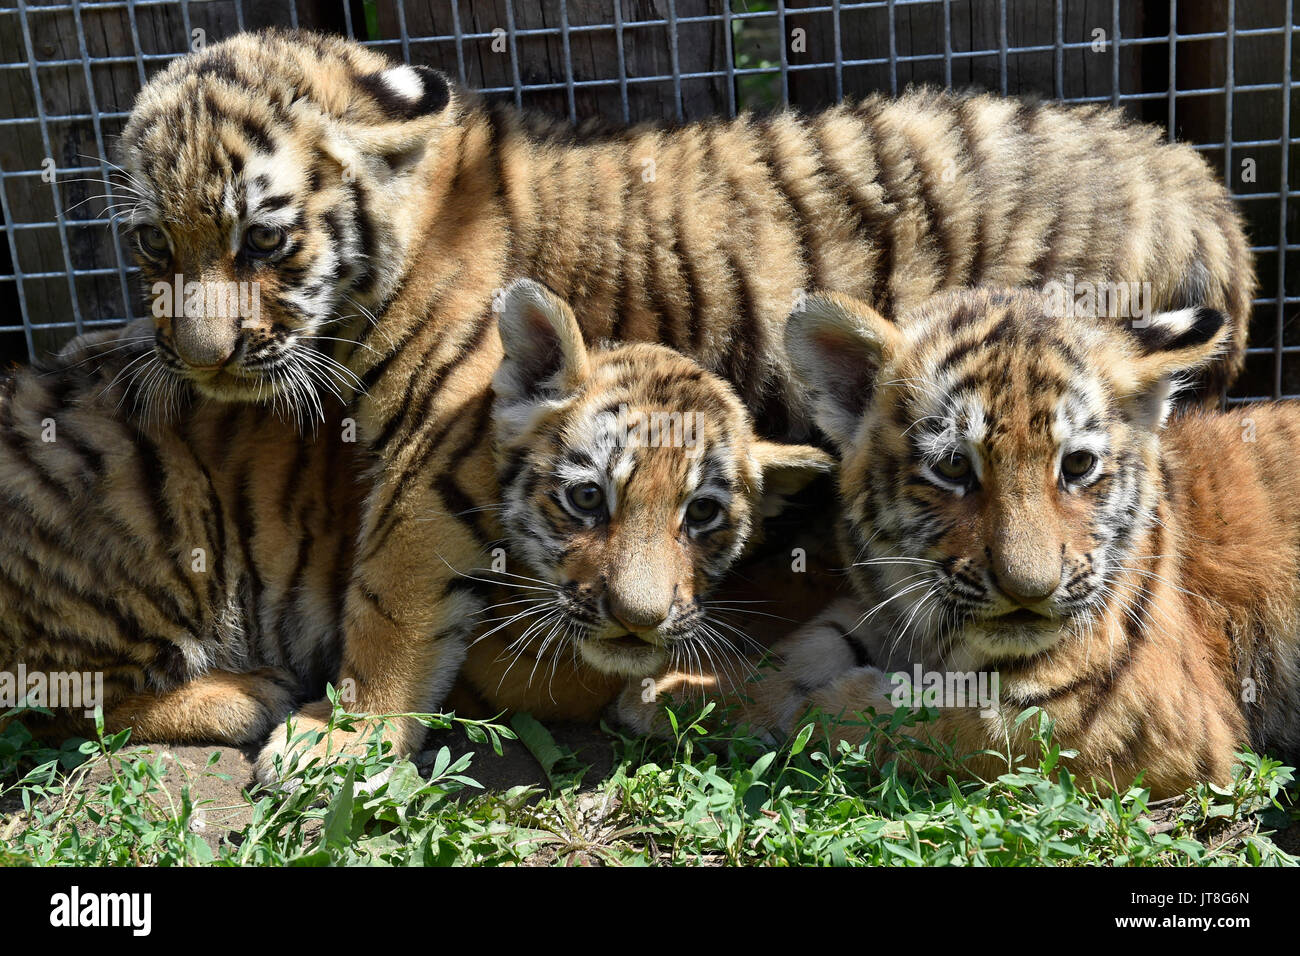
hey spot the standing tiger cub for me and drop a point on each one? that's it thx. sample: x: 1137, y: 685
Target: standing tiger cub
x: 1016, y: 499
x: 378, y: 204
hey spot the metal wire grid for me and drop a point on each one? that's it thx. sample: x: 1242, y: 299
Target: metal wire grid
x: 27, y: 20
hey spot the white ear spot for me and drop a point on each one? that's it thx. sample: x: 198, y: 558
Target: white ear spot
x: 404, y: 81
x: 1176, y: 323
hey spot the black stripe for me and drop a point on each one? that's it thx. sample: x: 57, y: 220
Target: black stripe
x: 975, y: 267
x: 372, y: 374
x: 250, y: 581
x: 881, y: 291
x: 291, y: 492
x: 1206, y: 324
x: 871, y: 228
x: 497, y: 124
x: 271, y: 203
x: 153, y: 477
x: 366, y: 240
x: 684, y: 335
x: 803, y: 219
x: 257, y: 134
x: 293, y: 589
x: 860, y: 656
x: 417, y: 410
x: 482, y: 518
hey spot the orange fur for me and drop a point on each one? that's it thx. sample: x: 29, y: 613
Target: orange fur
x: 1150, y: 606
x: 415, y: 202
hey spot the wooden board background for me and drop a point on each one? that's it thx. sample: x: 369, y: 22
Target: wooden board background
x: 593, y: 55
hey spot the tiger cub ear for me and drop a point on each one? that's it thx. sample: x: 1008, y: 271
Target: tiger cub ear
x: 391, y: 115
x: 1170, y: 347
x: 542, y: 342
x: 407, y: 92
x: 786, y: 470
x: 837, y: 346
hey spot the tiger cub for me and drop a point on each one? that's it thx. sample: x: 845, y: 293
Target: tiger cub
x: 1017, y: 500
x: 187, y: 577
x: 631, y: 481
x: 378, y: 204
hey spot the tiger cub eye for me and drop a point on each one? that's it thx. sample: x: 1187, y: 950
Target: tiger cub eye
x: 1077, y: 464
x: 153, y: 241
x: 263, y: 239
x: 588, y: 497
x: 955, y: 468
x: 702, y: 510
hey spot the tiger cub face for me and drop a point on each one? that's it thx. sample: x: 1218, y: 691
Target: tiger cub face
x: 998, y: 463
x: 265, y: 186
x: 631, y: 480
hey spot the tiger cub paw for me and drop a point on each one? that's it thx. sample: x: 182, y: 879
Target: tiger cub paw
x: 277, y: 756
x: 307, y: 738
x: 639, y: 711
x: 856, y: 691
x: 643, y: 706
x: 271, y: 694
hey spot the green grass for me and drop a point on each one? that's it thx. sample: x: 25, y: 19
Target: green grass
x: 700, y: 798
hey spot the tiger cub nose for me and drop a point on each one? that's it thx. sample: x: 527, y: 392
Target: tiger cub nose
x: 205, y: 344
x: 639, y: 616
x: 1027, y: 588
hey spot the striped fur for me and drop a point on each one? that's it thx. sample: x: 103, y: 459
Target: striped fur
x: 631, y: 481
x: 1014, y: 501
x: 200, y: 566
x: 700, y: 237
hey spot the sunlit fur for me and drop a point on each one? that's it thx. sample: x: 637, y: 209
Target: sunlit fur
x: 199, y: 565
x: 590, y: 598
x: 1149, y: 605
x: 701, y: 237
x: 311, y: 135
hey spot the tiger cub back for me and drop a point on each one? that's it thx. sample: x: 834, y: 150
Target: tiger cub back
x: 631, y: 481
x: 191, y: 561
x: 356, y: 173
x: 1016, y: 502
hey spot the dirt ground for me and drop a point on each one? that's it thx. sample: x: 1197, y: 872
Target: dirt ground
x: 218, y: 788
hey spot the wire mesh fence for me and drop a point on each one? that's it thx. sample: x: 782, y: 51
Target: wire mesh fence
x: 1214, y: 73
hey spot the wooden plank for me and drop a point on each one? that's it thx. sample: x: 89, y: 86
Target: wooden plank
x: 1258, y: 169
x: 594, y: 54
x: 975, y: 27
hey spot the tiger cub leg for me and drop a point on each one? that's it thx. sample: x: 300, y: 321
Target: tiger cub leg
x: 220, y: 707
x: 423, y: 537
x: 399, y: 656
